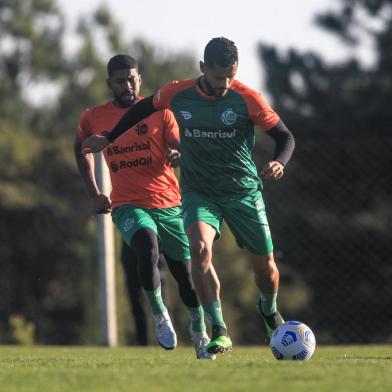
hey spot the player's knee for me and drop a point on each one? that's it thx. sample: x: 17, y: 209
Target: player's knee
x: 266, y: 265
x: 199, y: 250
x: 271, y: 268
x: 201, y: 254
x: 149, y: 256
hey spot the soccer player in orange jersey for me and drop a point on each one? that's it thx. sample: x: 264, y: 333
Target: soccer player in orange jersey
x: 145, y: 199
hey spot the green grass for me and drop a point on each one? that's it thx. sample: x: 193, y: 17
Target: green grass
x: 46, y: 369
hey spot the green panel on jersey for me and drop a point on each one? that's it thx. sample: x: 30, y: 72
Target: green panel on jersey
x: 217, y: 139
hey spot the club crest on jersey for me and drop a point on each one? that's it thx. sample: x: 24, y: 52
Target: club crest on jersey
x: 141, y: 129
x: 229, y: 117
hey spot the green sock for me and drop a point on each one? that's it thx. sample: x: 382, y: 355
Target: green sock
x: 268, y: 303
x: 214, y: 313
x: 197, y: 319
x: 154, y: 298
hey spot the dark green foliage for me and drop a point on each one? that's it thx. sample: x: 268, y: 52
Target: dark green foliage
x: 47, y: 239
x: 331, y: 213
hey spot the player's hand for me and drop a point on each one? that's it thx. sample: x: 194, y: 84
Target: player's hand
x: 102, y: 204
x: 273, y: 170
x: 94, y: 143
x: 173, y: 157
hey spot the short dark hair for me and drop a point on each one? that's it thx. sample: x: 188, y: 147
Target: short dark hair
x: 121, y: 61
x: 220, y: 51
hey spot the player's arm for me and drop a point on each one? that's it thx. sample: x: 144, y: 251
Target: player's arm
x: 262, y: 114
x: 171, y: 134
x: 173, y: 154
x: 285, y: 145
x: 86, y: 166
x: 284, y: 141
x: 136, y: 113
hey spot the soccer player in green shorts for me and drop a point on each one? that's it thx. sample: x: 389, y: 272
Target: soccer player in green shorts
x: 216, y: 115
x: 145, y: 199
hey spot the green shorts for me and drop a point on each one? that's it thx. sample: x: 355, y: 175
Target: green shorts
x: 245, y: 217
x: 165, y: 222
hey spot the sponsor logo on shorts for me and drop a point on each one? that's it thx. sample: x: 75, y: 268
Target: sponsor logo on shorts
x: 259, y: 204
x: 229, y: 117
x: 263, y: 217
x: 128, y: 224
x: 199, y: 133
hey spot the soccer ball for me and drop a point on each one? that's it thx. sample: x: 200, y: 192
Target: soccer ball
x: 293, y: 340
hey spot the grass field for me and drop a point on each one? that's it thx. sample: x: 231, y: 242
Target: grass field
x: 47, y: 369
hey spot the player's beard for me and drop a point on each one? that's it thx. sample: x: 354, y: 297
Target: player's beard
x: 125, y: 100
x: 215, y: 92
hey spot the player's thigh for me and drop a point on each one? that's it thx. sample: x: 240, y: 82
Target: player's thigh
x: 130, y: 219
x: 173, y: 241
x: 248, y: 222
x: 199, y: 208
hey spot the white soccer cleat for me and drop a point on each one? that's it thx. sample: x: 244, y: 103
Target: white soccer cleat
x: 200, y: 340
x: 164, y: 331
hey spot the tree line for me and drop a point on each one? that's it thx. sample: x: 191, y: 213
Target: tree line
x: 330, y: 215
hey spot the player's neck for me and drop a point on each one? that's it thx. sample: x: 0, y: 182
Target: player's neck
x: 118, y: 104
x: 201, y: 82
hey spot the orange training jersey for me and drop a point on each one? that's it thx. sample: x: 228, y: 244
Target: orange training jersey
x: 137, y: 164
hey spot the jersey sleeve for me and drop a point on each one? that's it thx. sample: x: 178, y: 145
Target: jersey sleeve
x: 170, y: 127
x: 163, y: 97
x: 260, y: 111
x: 84, y: 128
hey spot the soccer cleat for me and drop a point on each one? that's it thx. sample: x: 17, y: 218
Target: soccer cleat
x: 164, y: 331
x: 271, y: 322
x: 220, y: 342
x: 200, y: 340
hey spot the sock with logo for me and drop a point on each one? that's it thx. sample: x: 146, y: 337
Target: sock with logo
x: 267, y: 303
x: 197, y: 318
x: 154, y: 299
x: 214, y: 314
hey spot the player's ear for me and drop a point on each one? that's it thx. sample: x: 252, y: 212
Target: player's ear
x: 108, y: 83
x: 202, y: 66
x: 140, y: 79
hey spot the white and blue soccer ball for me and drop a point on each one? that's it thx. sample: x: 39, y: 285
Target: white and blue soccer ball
x: 293, y: 340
